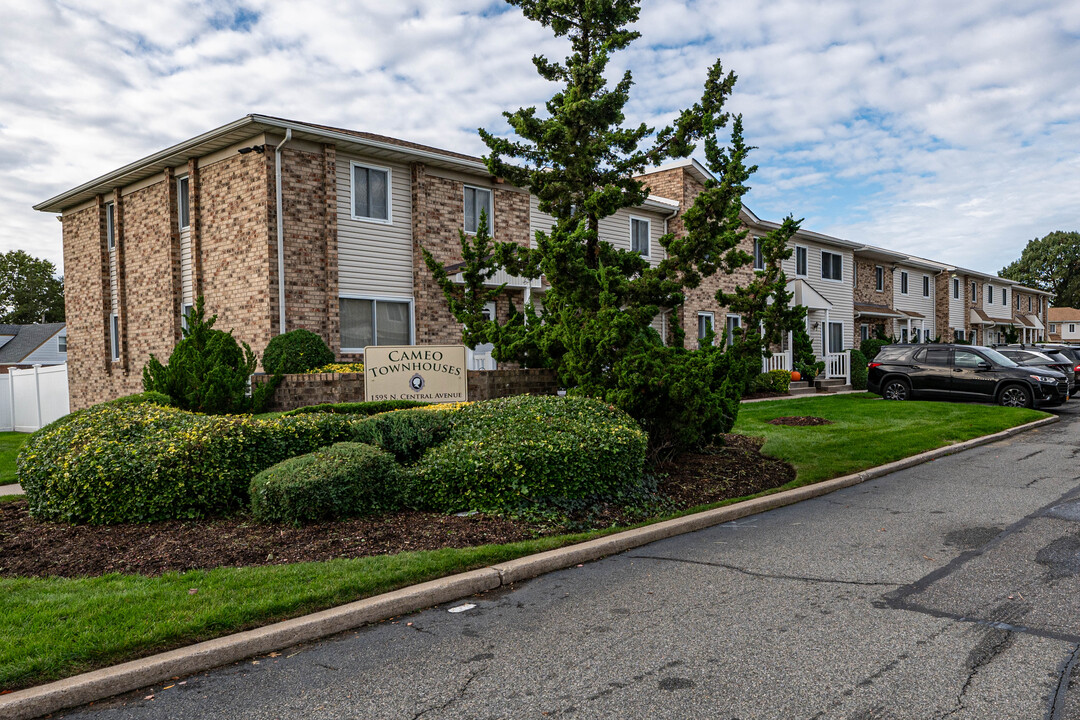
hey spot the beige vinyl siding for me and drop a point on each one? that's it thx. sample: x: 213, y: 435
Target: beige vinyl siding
x: 958, y: 307
x: 187, y: 285
x: 914, y: 300
x: 840, y: 293
x: 614, y: 229
x: 995, y: 309
x: 375, y: 259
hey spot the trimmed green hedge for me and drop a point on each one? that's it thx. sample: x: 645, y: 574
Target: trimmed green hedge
x: 359, y: 408
x: 859, y: 370
x: 296, y: 351
x: 527, y: 452
x: 344, y: 480
x: 140, y: 463
x: 404, y: 433
x: 870, y: 348
x: 773, y: 381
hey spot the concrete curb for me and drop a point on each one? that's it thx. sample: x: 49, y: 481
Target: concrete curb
x: 100, y: 684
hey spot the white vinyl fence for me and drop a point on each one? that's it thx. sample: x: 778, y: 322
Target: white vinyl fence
x: 32, y: 398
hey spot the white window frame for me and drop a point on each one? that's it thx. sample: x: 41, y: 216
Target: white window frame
x: 1005, y: 297
x: 1072, y: 327
x: 183, y: 189
x: 110, y: 225
x: 805, y: 261
x: 831, y: 279
x: 727, y: 326
x: 759, y: 254
x: 864, y: 332
x: 712, y: 324
x: 375, y: 319
x: 956, y: 288
x: 61, y: 342
x: 114, y: 337
x: 926, y: 286
x: 904, y: 282
x: 648, y: 234
x: 958, y: 334
x: 879, y: 278
x: 185, y: 310
x: 843, y: 334
x: 389, y: 193
x: 490, y: 209
x: 1029, y: 303
x: 974, y: 292
x: 989, y: 293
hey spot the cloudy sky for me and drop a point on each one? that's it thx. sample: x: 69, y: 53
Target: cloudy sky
x: 947, y: 129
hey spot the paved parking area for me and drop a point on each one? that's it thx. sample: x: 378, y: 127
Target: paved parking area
x: 946, y: 590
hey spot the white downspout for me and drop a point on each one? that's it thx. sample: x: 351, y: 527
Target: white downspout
x: 280, y: 233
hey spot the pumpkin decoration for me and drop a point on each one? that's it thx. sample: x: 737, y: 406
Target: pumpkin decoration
x: 796, y: 376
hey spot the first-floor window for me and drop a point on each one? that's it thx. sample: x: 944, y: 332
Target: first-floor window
x: 864, y: 332
x: 836, y: 337
x: 114, y: 336
x: 374, y: 322
x: 733, y: 322
x: 185, y: 313
x: 959, y: 334
x: 704, y: 325
x: 903, y: 334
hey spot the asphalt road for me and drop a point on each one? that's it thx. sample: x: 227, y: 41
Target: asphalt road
x: 950, y: 590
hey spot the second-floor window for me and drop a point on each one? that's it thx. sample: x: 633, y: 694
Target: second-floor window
x: 879, y: 278
x: 989, y: 294
x: 61, y: 343
x: 926, y: 286
x: 903, y: 283
x: 832, y: 266
x: 800, y: 261
x: 759, y: 256
x: 639, y: 236
x: 371, y: 193
x: 110, y: 225
x: 183, y: 202
x: 956, y: 289
x: 114, y: 337
x: 974, y: 292
x: 1004, y: 296
x: 1029, y: 303
x: 477, y: 200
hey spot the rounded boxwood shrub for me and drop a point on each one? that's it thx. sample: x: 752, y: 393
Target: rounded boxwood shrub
x: 344, y: 480
x: 143, y: 462
x: 371, y: 407
x: 773, y: 381
x: 296, y: 351
x: 405, y: 433
x: 525, y: 452
x: 859, y: 370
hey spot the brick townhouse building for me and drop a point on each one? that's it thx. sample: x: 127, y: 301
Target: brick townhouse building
x: 282, y: 225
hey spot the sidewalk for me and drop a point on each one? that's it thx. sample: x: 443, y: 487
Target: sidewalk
x: 793, y: 397
x: 15, y: 489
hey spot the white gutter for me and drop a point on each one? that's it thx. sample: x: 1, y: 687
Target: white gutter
x: 280, y: 233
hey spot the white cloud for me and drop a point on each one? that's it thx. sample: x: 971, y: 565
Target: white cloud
x: 949, y: 130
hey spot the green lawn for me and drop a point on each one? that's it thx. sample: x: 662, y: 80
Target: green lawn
x: 56, y: 627
x: 868, y: 431
x: 10, y: 442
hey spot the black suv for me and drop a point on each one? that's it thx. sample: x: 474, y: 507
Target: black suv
x: 962, y: 372
x: 1031, y: 356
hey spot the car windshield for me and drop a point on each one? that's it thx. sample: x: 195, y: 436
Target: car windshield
x: 997, y: 358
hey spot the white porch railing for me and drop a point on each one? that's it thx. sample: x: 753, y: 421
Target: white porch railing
x: 778, y: 361
x: 838, y: 365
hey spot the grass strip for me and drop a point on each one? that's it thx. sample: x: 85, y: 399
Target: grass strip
x: 867, y: 431
x: 10, y: 442
x: 58, y: 627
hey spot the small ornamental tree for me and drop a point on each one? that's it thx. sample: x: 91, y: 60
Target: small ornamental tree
x: 580, y: 159
x: 297, y: 351
x: 207, y: 371
x: 1010, y: 334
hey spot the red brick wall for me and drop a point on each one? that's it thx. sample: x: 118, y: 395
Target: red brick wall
x: 238, y: 244
x: 438, y: 217
x: 87, y: 305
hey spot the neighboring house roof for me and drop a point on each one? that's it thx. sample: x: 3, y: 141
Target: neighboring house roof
x: 871, y: 310
x: 27, y: 339
x: 1063, y: 314
x: 913, y: 314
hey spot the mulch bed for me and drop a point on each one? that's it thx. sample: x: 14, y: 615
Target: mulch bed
x: 41, y: 549
x: 800, y: 421
x: 764, y: 394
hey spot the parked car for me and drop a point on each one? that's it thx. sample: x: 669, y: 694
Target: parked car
x: 962, y: 372
x: 1070, y: 351
x: 1042, y: 357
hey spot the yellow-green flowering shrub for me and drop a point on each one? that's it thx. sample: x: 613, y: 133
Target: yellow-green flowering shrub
x: 140, y: 463
x: 527, y: 452
x: 343, y: 480
x: 372, y: 407
x: 338, y: 368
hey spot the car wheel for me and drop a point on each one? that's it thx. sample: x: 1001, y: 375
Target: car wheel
x: 896, y: 390
x: 1015, y: 396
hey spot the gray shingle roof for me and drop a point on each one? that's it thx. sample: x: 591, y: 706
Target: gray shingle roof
x: 28, y: 338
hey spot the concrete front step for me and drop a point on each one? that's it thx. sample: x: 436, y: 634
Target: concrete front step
x: 833, y: 388
x: 798, y: 385
x: 829, y: 382
x: 801, y: 390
